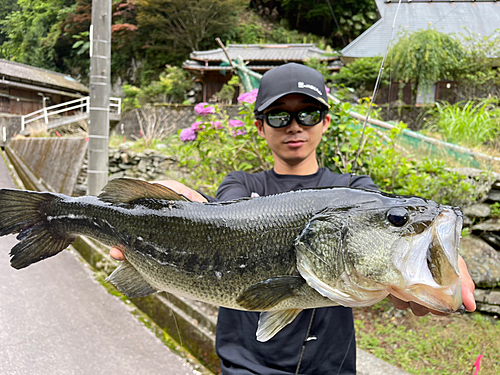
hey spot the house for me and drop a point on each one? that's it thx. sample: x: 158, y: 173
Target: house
x: 25, y: 89
x: 212, y: 71
x: 451, y: 17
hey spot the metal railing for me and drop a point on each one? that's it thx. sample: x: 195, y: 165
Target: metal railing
x: 78, y: 106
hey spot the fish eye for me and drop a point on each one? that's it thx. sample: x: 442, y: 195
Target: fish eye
x: 398, y: 216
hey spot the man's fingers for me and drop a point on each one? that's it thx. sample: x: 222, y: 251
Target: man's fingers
x: 116, y: 253
x: 398, y: 304
x: 182, y: 189
x: 468, y: 286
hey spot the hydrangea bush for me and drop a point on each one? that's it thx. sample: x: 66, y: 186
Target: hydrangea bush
x: 215, y: 144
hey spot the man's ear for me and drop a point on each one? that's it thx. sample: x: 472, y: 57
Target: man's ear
x: 260, y: 128
x: 326, y: 122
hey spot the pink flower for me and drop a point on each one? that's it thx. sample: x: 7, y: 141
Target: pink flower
x: 187, y: 134
x: 327, y: 89
x: 248, y: 97
x: 197, y: 126
x: 216, y: 125
x: 234, y: 123
x: 204, y: 109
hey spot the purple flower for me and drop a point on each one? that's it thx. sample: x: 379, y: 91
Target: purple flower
x: 248, y: 97
x: 234, y: 123
x: 187, y: 134
x: 204, y: 109
x: 239, y: 132
x: 216, y: 125
x: 197, y: 126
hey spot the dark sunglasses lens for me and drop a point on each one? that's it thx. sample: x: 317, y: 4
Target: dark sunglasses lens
x: 309, y: 117
x: 278, y: 119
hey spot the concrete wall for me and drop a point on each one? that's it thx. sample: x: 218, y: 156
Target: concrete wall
x: 10, y: 125
x: 54, y: 161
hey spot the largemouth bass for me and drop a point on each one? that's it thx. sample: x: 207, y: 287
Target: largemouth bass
x: 276, y: 254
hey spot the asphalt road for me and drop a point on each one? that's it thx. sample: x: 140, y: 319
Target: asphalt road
x: 56, y: 319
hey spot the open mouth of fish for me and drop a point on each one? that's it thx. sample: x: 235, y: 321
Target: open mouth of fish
x: 424, y: 270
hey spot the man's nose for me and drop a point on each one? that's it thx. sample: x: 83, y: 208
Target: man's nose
x: 294, y: 127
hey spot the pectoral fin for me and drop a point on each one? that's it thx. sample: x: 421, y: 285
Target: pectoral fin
x: 271, y: 322
x: 130, y: 282
x: 269, y: 293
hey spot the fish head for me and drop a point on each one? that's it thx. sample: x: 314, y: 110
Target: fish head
x: 405, y: 246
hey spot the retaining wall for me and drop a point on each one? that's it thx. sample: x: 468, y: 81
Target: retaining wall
x: 54, y: 162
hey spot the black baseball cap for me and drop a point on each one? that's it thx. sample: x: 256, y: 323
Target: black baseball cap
x: 288, y: 79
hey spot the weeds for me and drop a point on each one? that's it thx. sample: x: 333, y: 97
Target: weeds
x: 445, y: 345
x: 466, y: 123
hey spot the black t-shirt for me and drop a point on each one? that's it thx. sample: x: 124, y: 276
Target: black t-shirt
x: 330, y: 347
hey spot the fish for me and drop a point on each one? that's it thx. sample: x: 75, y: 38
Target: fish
x: 276, y: 254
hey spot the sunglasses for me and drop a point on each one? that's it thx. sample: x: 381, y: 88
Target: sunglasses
x: 279, y: 118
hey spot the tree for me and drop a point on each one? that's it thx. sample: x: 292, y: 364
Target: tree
x: 6, y: 7
x: 425, y: 57
x: 187, y: 25
x: 33, y: 30
x: 478, y: 77
x: 350, y: 17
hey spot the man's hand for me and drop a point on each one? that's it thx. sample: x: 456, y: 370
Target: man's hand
x: 467, y: 295
x: 117, y: 252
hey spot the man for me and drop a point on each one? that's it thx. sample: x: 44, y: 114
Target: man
x: 291, y: 113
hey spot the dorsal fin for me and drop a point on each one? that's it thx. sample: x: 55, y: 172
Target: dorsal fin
x: 127, y: 190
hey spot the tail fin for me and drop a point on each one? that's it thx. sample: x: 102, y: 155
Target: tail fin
x: 26, y: 213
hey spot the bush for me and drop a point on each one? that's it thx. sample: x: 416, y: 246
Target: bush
x: 216, y: 145
x: 170, y: 87
x: 361, y: 75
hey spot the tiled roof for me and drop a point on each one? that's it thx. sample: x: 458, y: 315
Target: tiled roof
x: 263, y: 52
x: 29, y: 74
x: 459, y: 16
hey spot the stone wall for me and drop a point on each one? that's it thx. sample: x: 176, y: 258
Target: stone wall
x: 481, y: 249
x: 148, y: 165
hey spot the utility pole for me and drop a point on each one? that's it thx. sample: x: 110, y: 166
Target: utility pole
x: 100, y: 72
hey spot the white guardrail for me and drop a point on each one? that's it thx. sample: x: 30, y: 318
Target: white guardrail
x: 79, y: 106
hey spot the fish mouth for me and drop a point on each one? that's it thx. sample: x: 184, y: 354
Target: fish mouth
x: 424, y: 270
x: 430, y: 271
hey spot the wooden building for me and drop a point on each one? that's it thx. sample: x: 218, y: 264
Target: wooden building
x: 25, y: 89
x: 212, y: 73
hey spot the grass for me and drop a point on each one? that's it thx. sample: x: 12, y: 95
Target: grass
x: 466, y: 123
x: 445, y: 345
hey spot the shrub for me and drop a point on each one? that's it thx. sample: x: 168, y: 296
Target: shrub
x: 216, y: 145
